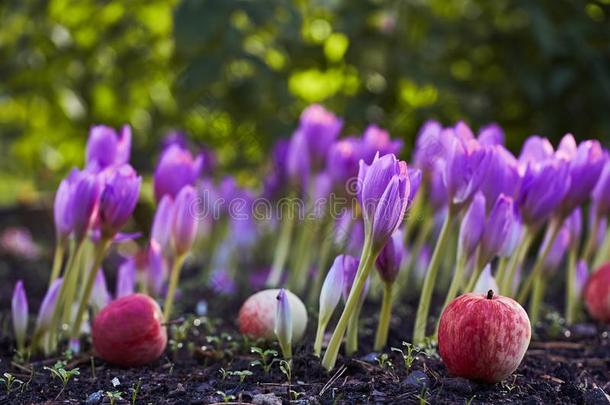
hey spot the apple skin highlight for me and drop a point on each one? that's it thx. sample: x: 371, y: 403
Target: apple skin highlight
x: 129, y: 331
x: 597, y: 294
x: 483, y: 337
x: 256, y: 317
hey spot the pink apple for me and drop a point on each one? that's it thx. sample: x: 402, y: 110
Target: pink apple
x: 257, y: 315
x: 483, y: 337
x: 129, y: 332
x: 597, y: 294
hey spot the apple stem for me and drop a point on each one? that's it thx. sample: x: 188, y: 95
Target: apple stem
x: 490, y: 294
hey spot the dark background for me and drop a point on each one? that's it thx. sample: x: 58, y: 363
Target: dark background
x: 236, y: 74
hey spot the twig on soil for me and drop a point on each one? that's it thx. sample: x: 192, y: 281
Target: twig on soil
x: 556, y: 345
x: 333, y: 379
x: 551, y: 378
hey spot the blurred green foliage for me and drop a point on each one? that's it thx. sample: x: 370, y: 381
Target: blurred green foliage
x: 236, y: 74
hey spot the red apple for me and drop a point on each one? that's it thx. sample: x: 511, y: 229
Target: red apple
x: 257, y: 315
x: 597, y: 294
x: 483, y: 337
x: 129, y: 332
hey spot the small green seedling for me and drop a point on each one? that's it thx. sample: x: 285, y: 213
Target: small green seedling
x: 224, y: 373
x: 242, y: 374
x: 10, y: 382
x: 135, y: 390
x: 59, y: 371
x: 113, y: 396
x: 384, y: 361
x: 408, y: 355
x: 267, y: 358
x: 226, y: 397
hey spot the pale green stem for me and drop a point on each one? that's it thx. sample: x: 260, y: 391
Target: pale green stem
x: 552, y: 232
x: 100, y: 252
x: 58, y: 259
x: 537, y: 296
x: 327, y: 245
x: 602, y: 254
x: 501, y: 273
x: 405, y: 272
x: 71, y: 283
x: 317, y: 346
x: 476, y: 273
x: 571, y: 294
x: 56, y: 323
x: 516, y: 262
x: 367, y: 261
x: 301, y: 266
x: 173, y: 284
x: 351, y: 344
x: 282, y: 249
x: 591, y: 243
x: 457, y: 279
x: 421, y: 320
x: 383, y: 327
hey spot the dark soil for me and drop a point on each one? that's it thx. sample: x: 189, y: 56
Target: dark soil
x: 570, y: 366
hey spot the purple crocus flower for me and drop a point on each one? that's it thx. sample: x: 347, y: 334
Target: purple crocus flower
x: 384, y: 190
x: 497, y: 229
x: 601, y: 193
x: 342, y: 161
x: 558, y: 250
x: 491, y: 134
x: 471, y: 229
x: 322, y: 187
x: 389, y: 260
x: 319, y: 128
x: 466, y: 164
x: 276, y: 181
x: 573, y: 224
x: 376, y: 139
x: 438, y: 191
x: 222, y: 283
x: 415, y: 179
x: 503, y: 176
x: 174, y: 138
x: 332, y: 288
x: 514, y: 235
x: 107, y: 148
x: 176, y: 169
x: 118, y: 200
x: 582, y: 275
x: 350, y: 268
x: 126, y: 278
x: 356, y: 239
x: 87, y: 189
x: 585, y: 166
x: 283, y: 323
x: 155, y: 268
x: 100, y: 296
x: 162, y: 223
x: 429, y: 147
x: 298, y: 164
x: 542, y: 190
x: 47, y: 307
x: 536, y: 150
x: 19, y: 311
x: 485, y: 282
x: 63, y: 206
x: 184, y: 221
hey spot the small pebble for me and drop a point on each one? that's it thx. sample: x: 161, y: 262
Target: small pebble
x: 95, y: 398
x: 417, y: 379
x: 371, y: 358
x: 266, y: 399
x: 460, y: 385
x: 583, y: 330
x: 178, y: 392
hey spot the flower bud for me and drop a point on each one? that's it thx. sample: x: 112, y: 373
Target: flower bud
x: 283, y: 324
x: 184, y: 223
x: 45, y: 313
x: 19, y: 307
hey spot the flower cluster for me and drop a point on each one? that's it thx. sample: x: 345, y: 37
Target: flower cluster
x: 465, y: 210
